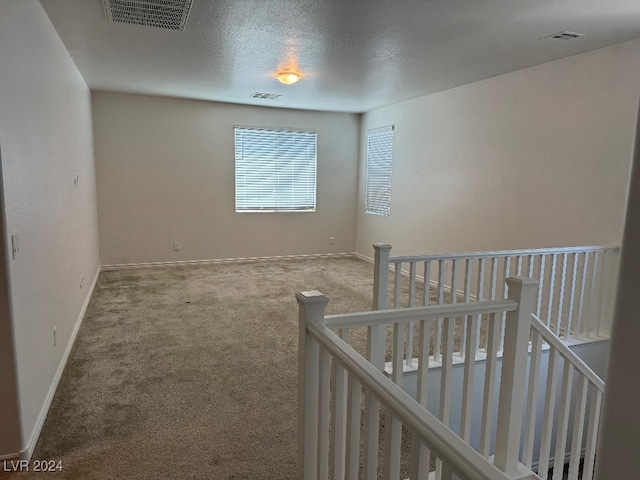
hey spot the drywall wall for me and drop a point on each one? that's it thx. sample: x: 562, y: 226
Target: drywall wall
x: 165, y: 174
x: 535, y: 158
x: 10, y: 437
x: 46, y: 139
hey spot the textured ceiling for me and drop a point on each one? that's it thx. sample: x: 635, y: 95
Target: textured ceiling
x: 353, y: 55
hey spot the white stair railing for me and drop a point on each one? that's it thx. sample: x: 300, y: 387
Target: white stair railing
x: 580, y: 389
x: 330, y: 411
x: 576, y: 286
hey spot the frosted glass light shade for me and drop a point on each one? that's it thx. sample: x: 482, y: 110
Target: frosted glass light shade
x: 288, y: 78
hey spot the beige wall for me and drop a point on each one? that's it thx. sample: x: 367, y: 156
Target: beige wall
x: 165, y: 173
x: 535, y: 158
x: 46, y: 139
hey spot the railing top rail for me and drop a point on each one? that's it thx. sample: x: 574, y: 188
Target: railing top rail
x: 440, y: 439
x: 405, y: 315
x: 553, y: 340
x: 504, y: 253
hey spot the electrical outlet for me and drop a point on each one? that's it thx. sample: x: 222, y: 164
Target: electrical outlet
x: 55, y: 340
x: 176, y: 246
x: 82, y: 281
x: 332, y: 240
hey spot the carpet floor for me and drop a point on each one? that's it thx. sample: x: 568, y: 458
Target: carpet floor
x: 191, y: 371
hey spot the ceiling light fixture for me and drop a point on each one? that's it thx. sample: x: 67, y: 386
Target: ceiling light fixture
x: 288, y: 78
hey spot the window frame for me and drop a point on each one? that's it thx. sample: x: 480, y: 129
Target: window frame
x: 378, y: 169
x: 288, y: 171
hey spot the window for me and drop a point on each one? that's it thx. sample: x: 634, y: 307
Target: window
x: 275, y: 170
x: 377, y: 198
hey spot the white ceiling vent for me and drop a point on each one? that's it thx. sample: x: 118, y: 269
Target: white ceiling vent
x: 265, y: 96
x: 565, y: 35
x: 171, y: 14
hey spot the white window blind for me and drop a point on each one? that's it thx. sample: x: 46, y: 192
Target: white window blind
x: 377, y: 198
x: 275, y: 170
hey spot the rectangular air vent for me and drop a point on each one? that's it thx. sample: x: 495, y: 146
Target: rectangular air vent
x: 265, y: 96
x: 170, y: 14
x: 565, y: 35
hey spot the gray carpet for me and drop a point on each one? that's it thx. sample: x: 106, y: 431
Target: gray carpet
x: 191, y: 371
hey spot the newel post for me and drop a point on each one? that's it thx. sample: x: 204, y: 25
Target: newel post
x: 514, y: 370
x: 376, y: 334
x: 311, y: 307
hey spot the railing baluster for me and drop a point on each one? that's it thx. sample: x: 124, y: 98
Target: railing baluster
x: 519, y: 265
x: 354, y: 419
x: 446, y: 472
x: 371, y: 436
x: 340, y: 394
x: 396, y: 355
x: 444, y: 412
x: 420, y: 460
x: 479, y: 295
x: 552, y: 287
x: 412, y: 303
x: 454, y: 287
x: 454, y: 281
x: 543, y: 261
x: 590, y: 326
x: 493, y: 338
x: 585, y: 268
x: 505, y: 290
x: 549, y: 407
x: 467, y: 295
x: 412, y: 284
x: 563, y: 276
x: 592, y: 435
x: 397, y: 285
x: 393, y: 427
x: 427, y: 283
x: 532, y: 398
x: 436, y: 353
x: 604, y: 270
x: 572, y: 297
x: 441, y: 270
x: 563, y: 421
x: 423, y: 362
x: 578, y: 427
x: 494, y: 277
x: 532, y: 260
x: 420, y: 456
x: 469, y: 373
x: 339, y: 397
x: 323, y: 438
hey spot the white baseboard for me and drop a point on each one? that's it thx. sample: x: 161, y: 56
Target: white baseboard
x: 364, y: 257
x: 29, y: 448
x: 124, y: 266
x: 11, y: 456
